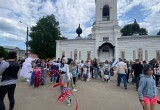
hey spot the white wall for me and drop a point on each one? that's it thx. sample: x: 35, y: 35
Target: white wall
x: 129, y: 44
x: 82, y: 45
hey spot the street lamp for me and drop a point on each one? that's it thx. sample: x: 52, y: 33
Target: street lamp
x: 26, y: 39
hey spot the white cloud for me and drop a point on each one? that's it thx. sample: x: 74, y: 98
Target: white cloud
x: 12, y: 37
x: 69, y: 13
x: 151, y: 10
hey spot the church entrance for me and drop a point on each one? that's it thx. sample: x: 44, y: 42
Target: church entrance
x: 106, y: 52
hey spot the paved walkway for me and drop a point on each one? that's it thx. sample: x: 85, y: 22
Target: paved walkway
x: 93, y: 95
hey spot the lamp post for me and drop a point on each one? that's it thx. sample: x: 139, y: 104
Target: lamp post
x: 26, y: 38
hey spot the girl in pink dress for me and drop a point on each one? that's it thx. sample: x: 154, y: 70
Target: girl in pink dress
x: 37, y: 72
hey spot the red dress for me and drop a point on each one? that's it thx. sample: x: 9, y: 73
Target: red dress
x: 37, y: 78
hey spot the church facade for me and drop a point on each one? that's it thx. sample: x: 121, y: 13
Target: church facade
x: 106, y: 41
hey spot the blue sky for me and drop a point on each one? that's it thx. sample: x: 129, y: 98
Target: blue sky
x: 70, y: 13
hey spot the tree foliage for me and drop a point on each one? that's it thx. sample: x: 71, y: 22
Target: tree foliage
x: 3, y: 52
x: 44, y: 36
x: 133, y: 28
x: 158, y: 33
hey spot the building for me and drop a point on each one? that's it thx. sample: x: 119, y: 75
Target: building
x: 106, y: 41
x: 20, y: 52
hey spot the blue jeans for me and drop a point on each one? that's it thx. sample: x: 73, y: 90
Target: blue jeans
x: 124, y: 79
x: 133, y: 79
x: 96, y: 73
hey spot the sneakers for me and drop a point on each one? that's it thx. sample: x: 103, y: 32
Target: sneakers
x: 69, y: 102
x: 27, y: 80
x: 75, y: 90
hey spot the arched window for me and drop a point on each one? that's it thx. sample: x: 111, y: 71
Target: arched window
x: 105, y: 13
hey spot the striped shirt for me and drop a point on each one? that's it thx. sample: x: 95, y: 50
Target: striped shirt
x: 8, y: 82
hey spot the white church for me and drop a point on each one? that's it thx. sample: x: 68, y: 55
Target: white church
x: 106, y: 41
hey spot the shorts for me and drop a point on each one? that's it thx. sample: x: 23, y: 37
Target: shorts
x: 149, y: 101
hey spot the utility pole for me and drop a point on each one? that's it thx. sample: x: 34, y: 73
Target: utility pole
x: 26, y: 38
x: 27, y: 43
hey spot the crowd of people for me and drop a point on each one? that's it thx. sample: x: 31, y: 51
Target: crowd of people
x: 66, y: 72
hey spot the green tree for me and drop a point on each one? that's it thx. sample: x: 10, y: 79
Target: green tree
x: 3, y: 52
x: 143, y: 31
x: 127, y: 30
x: 43, y: 37
x: 158, y: 33
x: 130, y: 29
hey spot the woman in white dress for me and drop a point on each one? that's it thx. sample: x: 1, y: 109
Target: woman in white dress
x: 26, y: 70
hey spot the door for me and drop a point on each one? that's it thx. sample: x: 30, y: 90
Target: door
x: 104, y: 56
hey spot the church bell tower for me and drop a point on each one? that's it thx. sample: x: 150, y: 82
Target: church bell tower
x: 106, y: 10
x: 105, y: 29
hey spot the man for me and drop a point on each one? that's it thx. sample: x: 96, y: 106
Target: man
x: 137, y: 69
x: 8, y: 82
x: 121, y: 70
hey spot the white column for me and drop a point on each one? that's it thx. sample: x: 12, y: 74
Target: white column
x: 116, y: 34
x: 96, y: 47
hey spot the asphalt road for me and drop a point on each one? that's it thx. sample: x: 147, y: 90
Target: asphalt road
x: 93, y: 95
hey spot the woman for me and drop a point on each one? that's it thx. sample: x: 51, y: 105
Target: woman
x: 64, y: 77
x: 89, y: 68
x: 155, y: 66
x: 157, y: 71
x: 96, y: 68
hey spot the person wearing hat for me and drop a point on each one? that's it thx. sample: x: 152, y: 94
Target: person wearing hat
x: 8, y: 81
x: 147, y: 91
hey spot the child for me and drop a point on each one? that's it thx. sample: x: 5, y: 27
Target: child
x: 64, y: 77
x: 74, y: 74
x: 147, y: 90
x: 42, y: 77
x: 106, y: 67
x: 85, y: 73
x: 37, y: 72
x: 106, y: 75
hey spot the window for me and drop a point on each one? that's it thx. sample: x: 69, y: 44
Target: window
x: 146, y: 55
x: 105, y: 13
x: 105, y: 49
x: 88, y: 55
x: 123, y: 54
x: 79, y: 55
x: 140, y: 54
x: 105, y: 38
x: 158, y: 55
x: 75, y: 54
x: 71, y: 54
x: 63, y: 53
x: 134, y: 55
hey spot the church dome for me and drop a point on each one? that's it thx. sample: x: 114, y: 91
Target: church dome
x: 135, y: 27
x: 79, y: 31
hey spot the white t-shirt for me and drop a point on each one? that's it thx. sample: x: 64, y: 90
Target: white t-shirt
x: 121, y: 68
x: 65, y: 68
